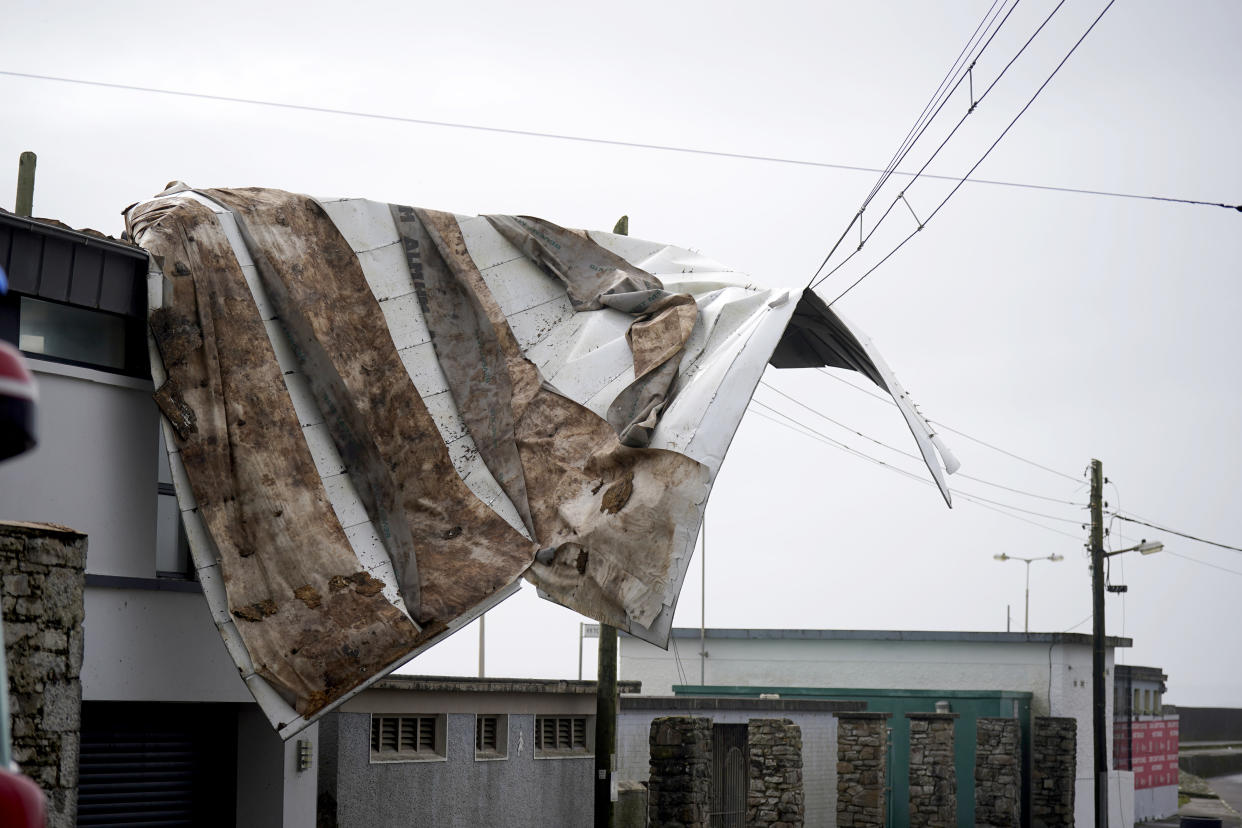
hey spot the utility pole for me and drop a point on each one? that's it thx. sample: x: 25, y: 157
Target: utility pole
x: 606, y: 691
x: 25, y: 184
x: 1098, y: 723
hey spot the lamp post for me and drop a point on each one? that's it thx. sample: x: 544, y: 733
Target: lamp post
x: 1099, y: 725
x: 1026, y: 623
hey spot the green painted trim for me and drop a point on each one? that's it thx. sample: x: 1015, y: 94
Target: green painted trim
x: 747, y: 691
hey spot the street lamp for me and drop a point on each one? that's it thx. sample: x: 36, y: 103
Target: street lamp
x: 1026, y: 623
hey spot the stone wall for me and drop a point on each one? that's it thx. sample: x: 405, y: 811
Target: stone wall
x: 41, y: 580
x: 1054, y: 745
x: 679, y: 789
x: 774, y: 797
x: 998, y: 782
x: 862, y: 754
x: 933, y: 777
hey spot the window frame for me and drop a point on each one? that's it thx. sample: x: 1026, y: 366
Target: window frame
x: 403, y: 721
x: 500, y: 737
x: 574, y: 749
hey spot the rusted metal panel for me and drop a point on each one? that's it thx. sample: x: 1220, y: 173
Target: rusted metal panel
x: 432, y: 398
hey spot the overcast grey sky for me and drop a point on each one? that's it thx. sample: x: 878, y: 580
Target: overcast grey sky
x: 1058, y: 326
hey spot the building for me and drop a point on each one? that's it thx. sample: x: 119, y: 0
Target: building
x: 1050, y: 672
x: 158, y: 686
x: 466, y: 752
x: 1145, y: 739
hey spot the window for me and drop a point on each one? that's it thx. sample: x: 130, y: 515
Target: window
x: 172, y: 548
x: 81, y: 336
x: 491, y: 736
x: 406, y: 738
x: 561, y: 736
x: 1156, y: 707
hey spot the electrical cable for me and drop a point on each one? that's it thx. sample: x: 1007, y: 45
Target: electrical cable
x: 907, y: 144
x: 773, y: 159
x: 1203, y: 563
x: 1010, y: 454
x: 982, y: 158
x: 901, y: 196
x: 1175, y: 532
x: 996, y: 506
x: 913, y: 456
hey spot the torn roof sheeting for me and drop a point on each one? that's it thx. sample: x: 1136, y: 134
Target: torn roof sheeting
x: 380, y: 417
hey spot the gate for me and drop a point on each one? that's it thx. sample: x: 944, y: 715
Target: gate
x: 730, y: 757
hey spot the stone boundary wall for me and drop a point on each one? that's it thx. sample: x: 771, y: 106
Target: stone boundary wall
x: 774, y: 796
x: 998, y: 782
x: 1054, y: 746
x: 933, y: 776
x: 862, y: 754
x: 41, y: 581
x: 679, y: 791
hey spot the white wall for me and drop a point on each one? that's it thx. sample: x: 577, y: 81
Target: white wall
x: 1057, y: 675
x: 94, y: 469
x: 144, y: 645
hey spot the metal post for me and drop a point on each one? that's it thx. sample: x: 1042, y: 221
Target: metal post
x: 482, y: 620
x: 1026, y: 621
x: 25, y: 184
x: 703, y: 610
x: 1098, y: 724
x: 606, y: 691
x: 605, y: 725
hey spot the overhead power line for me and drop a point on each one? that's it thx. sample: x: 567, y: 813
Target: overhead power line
x: 979, y: 500
x: 911, y: 455
x: 1205, y: 563
x: 741, y: 156
x: 937, y: 423
x: 982, y: 158
x: 1175, y: 532
x: 901, y: 197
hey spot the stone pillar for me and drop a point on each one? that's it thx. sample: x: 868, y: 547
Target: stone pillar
x: 774, y: 795
x: 41, y: 580
x: 998, y: 779
x: 933, y: 776
x: 681, y: 772
x: 1054, y: 766
x: 862, y: 760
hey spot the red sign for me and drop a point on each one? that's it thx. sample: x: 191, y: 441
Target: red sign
x: 1152, y: 745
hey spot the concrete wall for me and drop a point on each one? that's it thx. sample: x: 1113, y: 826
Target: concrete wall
x: 1057, y: 674
x: 1209, y: 724
x: 458, y: 791
x: 819, y: 747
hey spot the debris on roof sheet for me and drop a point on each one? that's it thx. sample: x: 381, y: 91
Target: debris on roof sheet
x: 379, y: 417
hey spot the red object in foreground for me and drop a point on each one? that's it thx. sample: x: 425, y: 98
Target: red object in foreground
x: 17, y: 403
x: 21, y: 802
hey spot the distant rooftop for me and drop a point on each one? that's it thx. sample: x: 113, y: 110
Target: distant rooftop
x: 467, y: 684
x: 902, y: 635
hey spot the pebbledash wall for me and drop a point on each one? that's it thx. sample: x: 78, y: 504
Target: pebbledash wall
x: 458, y: 780
x: 816, y: 719
x: 1054, y: 668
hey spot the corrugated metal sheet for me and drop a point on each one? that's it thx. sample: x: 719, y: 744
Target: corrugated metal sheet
x: 466, y: 400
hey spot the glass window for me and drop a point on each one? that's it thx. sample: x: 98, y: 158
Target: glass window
x: 79, y: 335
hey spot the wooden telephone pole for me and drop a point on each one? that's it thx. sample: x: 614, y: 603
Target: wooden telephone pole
x: 1098, y: 724
x: 606, y: 692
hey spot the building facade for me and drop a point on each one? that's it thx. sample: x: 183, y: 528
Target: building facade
x: 1053, y: 668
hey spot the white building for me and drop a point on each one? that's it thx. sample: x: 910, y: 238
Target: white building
x: 1055, y: 668
x: 158, y: 686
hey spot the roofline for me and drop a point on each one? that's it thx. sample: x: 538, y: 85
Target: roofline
x: 37, y: 226
x: 898, y: 635
x: 468, y: 684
